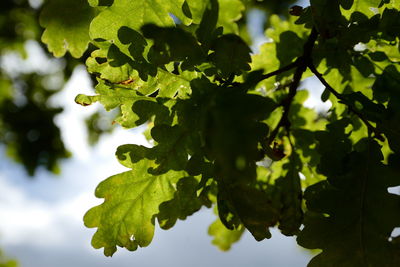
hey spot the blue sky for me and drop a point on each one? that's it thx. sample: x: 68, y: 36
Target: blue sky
x: 41, y: 219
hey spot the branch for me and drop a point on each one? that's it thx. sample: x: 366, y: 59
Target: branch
x: 339, y: 96
x: 301, y: 63
x: 279, y: 71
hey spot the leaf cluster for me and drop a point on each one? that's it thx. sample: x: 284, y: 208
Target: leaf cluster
x: 229, y: 128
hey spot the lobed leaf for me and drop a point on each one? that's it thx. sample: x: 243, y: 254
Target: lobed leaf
x: 131, y: 201
x: 66, y: 26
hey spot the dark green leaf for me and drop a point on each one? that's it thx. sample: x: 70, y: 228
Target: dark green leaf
x: 185, y: 203
x: 346, y: 4
x: 350, y: 216
x: 231, y: 55
x: 289, y: 188
x: 325, y: 95
x: 173, y: 44
x: 371, y: 110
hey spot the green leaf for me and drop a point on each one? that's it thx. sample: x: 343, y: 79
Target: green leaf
x: 333, y: 150
x: 386, y: 84
x: 364, y: 66
x: 233, y: 137
x: 302, y: 117
x: 304, y: 143
x: 230, y: 11
x: 131, y: 201
x: 289, y: 190
x: 390, y: 24
x: 214, y: 13
x: 385, y: 89
x: 122, y: 41
x: 287, y: 44
x: 326, y: 17
x: 113, y: 96
x: 119, y: 70
x: 111, y: 67
x: 185, y: 203
x: 367, y: 7
x: 129, y: 97
x: 325, y: 95
x: 350, y: 215
x: 85, y: 100
x: 346, y: 4
x: 122, y: 14
x: 378, y: 56
x: 231, y: 55
x: 170, y: 153
x: 95, y: 3
x: 206, y: 32
x: 252, y: 207
x: 290, y: 46
x: 390, y: 125
x: 173, y: 44
x: 372, y: 111
x: 66, y: 26
x: 223, y: 237
x: 267, y: 61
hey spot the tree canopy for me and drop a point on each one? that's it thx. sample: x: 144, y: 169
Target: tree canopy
x: 228, y: 127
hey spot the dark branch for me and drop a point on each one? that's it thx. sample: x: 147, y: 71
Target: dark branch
x: 378, y: 135
x: 301, y: 63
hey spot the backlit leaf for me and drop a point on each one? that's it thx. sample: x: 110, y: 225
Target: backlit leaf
x: 66, y: 26
x: 131, y: 200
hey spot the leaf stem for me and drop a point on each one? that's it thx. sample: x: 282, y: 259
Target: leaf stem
x: 378, y: 135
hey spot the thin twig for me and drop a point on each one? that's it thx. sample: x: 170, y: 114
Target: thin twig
x: 324, y: 82
x: 339, y: 96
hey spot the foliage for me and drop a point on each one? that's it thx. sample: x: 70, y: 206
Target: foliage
x: 229, y: 127
x: 27, y: 127
x: 30, y: 126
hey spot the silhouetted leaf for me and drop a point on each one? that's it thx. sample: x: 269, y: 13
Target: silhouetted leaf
x: 173, y: 44
x: 231, y: 55
x: 350, y: 215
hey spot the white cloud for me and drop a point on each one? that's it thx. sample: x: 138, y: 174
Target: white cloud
x: 24, y: 219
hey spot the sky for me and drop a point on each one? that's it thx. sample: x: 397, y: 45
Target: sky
x: 41, y: 219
